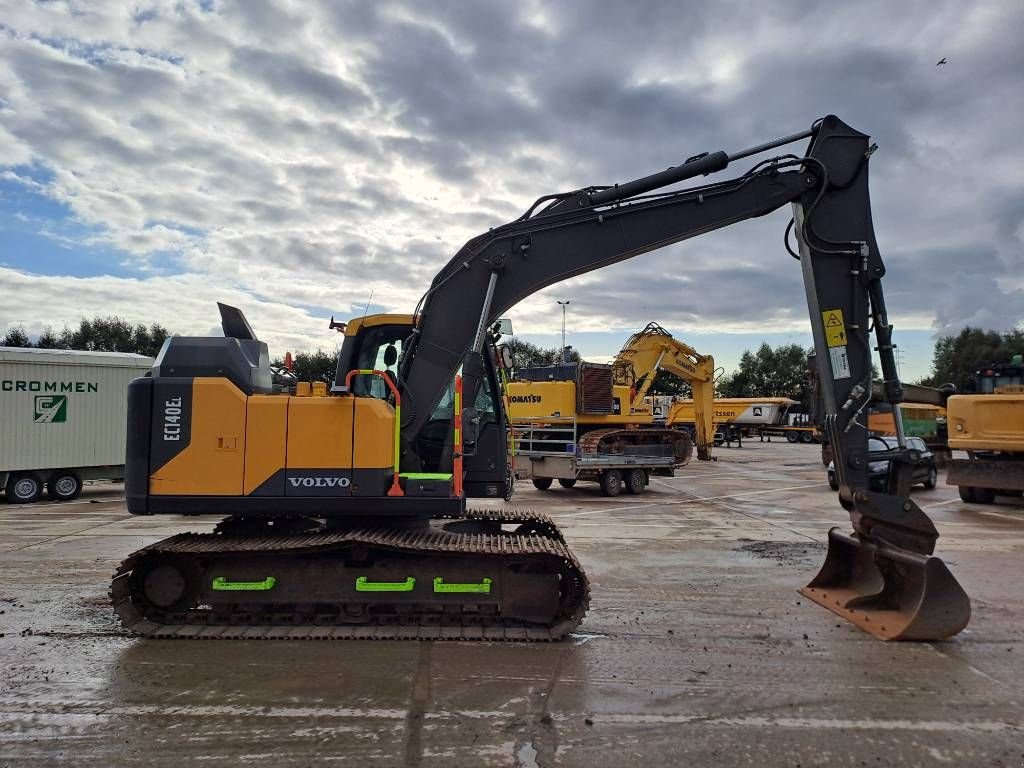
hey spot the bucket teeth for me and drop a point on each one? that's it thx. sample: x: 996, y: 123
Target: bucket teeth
x: 893, y: 594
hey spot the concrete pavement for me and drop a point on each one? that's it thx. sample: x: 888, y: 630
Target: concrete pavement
x: 697, y: 649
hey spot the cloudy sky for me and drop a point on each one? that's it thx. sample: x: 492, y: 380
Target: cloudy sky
x: 302, y: 160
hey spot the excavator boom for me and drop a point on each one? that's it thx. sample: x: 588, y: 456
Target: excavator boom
x: 566, y: 235
x: 654, y: 349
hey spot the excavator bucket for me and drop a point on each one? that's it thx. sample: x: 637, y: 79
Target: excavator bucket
x: 890, y: 593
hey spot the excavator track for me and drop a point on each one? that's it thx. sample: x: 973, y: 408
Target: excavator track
x: 459, y: 578
x: 618, y: 441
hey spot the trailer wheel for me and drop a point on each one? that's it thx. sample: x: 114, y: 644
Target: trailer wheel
x: 24, y: 488
x: 64, y: 486
x: 984, y: 495
x: 792, y: 436
x: 966, y: 493
x: 635, y: 481
x: 567, y: 482
x: 611, y: 482
x: 542, y: 483
x: 806, y: 437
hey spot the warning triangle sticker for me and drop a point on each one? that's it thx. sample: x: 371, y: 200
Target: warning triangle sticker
x: 833, y: 321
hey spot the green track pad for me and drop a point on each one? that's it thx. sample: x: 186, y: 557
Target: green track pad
x: 220, y: 584
x: 483, y: 587
x: 364, y: 585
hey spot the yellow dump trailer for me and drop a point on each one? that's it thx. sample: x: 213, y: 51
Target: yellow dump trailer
x: 751, y: 412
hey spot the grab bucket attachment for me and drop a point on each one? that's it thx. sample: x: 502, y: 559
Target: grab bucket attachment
x: 893, y: 594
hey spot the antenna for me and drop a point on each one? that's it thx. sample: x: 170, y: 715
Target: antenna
x: 366, y: 309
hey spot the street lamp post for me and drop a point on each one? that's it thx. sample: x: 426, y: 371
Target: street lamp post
x: 563, y: 304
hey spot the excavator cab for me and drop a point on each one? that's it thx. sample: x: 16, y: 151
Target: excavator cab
x: 378, y: 342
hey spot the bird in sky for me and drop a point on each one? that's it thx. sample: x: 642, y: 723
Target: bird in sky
x: 940, y: 62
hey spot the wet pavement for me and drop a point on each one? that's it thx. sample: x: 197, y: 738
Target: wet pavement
x: 697, y: 649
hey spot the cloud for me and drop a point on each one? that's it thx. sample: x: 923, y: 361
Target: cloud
x: 185, y: 304
x: 303, y: 155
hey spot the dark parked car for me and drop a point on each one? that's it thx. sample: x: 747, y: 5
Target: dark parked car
x: 925, y: 472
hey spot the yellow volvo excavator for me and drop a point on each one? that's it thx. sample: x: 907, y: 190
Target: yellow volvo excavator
x: 344, y: 509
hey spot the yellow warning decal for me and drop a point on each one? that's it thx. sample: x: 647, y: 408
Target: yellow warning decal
x: 835, y: 328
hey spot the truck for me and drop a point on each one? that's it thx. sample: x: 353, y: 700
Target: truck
x: 62, y: 419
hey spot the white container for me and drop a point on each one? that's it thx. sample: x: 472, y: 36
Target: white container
x: 63, y: 409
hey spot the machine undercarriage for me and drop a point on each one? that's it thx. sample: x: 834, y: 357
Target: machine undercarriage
x: 495, y: 575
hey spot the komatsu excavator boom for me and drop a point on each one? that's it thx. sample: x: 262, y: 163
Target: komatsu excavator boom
x: 654, y: 349
x: 347, y: 508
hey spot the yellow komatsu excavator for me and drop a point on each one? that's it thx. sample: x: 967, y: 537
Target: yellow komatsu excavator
x: 588, y: 421
x: 344, y: 507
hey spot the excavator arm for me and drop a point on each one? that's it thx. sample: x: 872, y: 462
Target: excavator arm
x: 882, y: 572
x: 653, y: 349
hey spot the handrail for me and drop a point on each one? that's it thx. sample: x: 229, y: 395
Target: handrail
x: 457, y: 439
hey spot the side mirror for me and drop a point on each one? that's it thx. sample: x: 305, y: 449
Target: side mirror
x: 503, y: 326
x: 508, y: 361
x: 470, y: 425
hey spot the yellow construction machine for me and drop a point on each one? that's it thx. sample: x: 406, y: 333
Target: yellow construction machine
x: 989, y: 426
x: 588, y: 421
x: 344, y: 507
x: 654, y: 349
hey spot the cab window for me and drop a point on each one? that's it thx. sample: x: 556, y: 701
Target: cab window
x: 445, y: 406
x: 380, y: 351
x: 484, y: 403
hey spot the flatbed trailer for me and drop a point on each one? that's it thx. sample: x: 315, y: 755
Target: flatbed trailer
x: 549, y: 451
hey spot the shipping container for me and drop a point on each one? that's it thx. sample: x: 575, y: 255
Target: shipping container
x: 62, y: 419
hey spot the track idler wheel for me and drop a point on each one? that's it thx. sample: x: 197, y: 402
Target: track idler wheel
x: 165, y: 583
x: 893, y: 594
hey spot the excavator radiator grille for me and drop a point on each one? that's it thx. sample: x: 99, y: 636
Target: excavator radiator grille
x: 594, y: 389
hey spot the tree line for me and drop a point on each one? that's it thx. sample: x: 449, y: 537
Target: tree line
x: 957, y: 358
x: 114, y: 334
x: 101, y: 334
x: 766, y: 372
